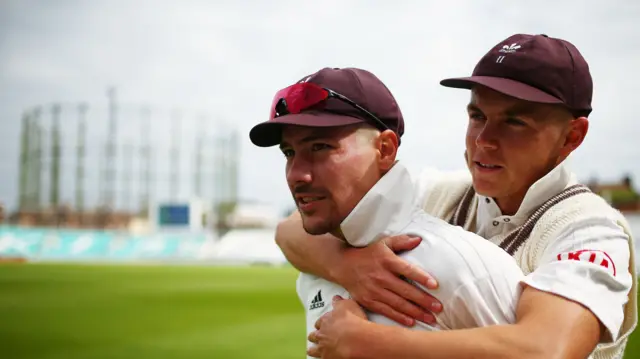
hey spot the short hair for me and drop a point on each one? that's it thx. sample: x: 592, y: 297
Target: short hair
x: 365, y: 133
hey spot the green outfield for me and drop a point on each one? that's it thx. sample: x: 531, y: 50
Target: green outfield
x: 95, y: 311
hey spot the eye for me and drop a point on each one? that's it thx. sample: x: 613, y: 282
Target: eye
x: 515, y: 122
x: 319, y: 146
x: 287, y: 152
x: 476, y: 116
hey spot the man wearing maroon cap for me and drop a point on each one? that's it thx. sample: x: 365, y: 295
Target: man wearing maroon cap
x: 339, y: 130
x: 530, y: 99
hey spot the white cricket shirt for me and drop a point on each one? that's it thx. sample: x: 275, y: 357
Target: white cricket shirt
x: 479, y: 282
x: 587, y: 263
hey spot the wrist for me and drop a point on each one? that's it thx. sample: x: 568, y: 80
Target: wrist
x: 337, y: 266
x: 363, y: 340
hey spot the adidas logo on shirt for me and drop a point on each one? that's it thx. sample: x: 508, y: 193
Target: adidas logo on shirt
x: 317, y: 301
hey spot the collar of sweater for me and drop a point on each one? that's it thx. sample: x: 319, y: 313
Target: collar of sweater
x: 385, y: 210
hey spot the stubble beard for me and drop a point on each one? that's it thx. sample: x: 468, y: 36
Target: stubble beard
x: 326, y: 226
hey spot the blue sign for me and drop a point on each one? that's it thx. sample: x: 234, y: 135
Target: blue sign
x: 171, y: 215
x: 49, y: 244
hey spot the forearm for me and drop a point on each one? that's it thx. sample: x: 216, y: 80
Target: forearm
x: 491, y: 342
x: 317, y: 255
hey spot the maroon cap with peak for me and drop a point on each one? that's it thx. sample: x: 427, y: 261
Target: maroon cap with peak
x: 534, y: 68
x: 360, y: 86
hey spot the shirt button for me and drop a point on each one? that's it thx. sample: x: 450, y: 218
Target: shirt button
x: 495, y: 223
x: 487, y: 200
x: 507, y: 220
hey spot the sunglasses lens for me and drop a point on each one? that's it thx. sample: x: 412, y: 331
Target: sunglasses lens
x: 281, y: 107
x: 297, y: 98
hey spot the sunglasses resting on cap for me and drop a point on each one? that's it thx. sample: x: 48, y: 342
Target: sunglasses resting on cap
x: 331, y: 97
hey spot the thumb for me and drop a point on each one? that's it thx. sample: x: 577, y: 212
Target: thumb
x: 337, y: 298
x: 402, y: 243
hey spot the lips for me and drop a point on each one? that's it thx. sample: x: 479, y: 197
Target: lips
x: 308, y: 203
x: 487, y: 165
x: 308, y: 199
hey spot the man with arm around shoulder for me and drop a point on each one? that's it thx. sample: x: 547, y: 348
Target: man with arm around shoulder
x: 530, y: 102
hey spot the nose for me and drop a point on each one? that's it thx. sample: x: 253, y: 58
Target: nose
x: 487, y: 137
x: 299, y: 171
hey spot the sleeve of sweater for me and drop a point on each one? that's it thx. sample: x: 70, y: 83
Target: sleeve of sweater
x: 588, y: 263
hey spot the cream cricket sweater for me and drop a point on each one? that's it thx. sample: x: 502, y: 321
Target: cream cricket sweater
x: 453, y: 199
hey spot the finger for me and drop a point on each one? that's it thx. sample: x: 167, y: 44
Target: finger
x: 314, y: 352
x: 402, y: 242
x: 341, y: 305
x: 336, y: 299
x: 313, y: 337
x: 318, y: 323
x: 407, y: 308
x: 412, y: 293
x: 389, y: 312
x: 401, y: 267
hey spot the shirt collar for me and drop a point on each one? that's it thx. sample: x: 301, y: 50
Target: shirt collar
x: 551, y: 184
x: 384, y: 210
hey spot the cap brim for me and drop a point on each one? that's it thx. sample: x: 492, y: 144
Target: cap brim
x: 505, y: 86
x: 269, y: 134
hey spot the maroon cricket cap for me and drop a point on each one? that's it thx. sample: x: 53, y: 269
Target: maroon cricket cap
x: 360, y: 86
x: 535, y: 68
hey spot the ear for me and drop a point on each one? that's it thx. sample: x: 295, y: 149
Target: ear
x: 576, y: 133
x: 388, y: 149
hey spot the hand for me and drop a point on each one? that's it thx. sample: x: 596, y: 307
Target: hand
x: 373, y: 277
x: 334, y: 330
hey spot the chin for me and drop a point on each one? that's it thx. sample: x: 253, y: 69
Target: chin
x: 315, y: 231
x: 316, y: 228
x: 317, y: 225
x: 486, y: 189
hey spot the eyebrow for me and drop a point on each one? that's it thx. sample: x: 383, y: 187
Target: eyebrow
x: 519, y: 109
x: 307, y: 139
x: 473, y: 107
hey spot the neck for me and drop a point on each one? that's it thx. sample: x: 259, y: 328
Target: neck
x: 338, y: 234
x: 383, y: 211
x: 552, y: 182
x: 510, y: 205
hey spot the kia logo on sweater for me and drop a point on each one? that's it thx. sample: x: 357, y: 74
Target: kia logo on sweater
x: 592, y: 256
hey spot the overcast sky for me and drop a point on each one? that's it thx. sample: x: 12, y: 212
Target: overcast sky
x: 229, y: 57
